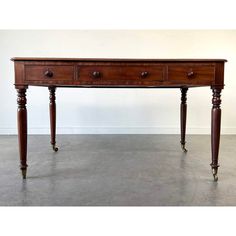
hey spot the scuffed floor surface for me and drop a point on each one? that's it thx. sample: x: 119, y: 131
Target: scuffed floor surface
x: 117, y: 170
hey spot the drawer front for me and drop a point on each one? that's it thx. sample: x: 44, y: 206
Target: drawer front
x: 191, y: 74
x: 120, y: 75
x: 49, y: 74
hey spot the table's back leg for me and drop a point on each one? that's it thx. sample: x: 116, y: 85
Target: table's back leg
x: 52, y: 109
x: 215, y: 130
x: 183, y: 115
x: 22, y: 129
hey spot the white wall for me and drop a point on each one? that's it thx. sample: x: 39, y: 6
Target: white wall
x: 117, y: 110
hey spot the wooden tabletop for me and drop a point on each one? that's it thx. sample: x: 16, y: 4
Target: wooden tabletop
x: 115, y: 59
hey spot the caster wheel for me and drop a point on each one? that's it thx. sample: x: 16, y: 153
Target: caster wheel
x: 55, y: 148
x: 183, y: 148
x: 215, y: 177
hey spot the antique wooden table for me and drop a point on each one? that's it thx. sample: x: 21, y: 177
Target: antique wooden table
x: 119, y: 73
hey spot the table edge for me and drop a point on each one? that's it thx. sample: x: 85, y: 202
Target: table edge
x: 115, y: 59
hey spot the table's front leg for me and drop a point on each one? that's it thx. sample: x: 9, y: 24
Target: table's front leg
x: 52, y: 109
x: 22, y: 129
x: 183, y: 115
x: 215, y: 130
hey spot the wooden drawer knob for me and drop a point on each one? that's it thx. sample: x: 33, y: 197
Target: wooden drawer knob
x: 190, y: 74
x: 96, y: 75
x: 144, y: 74
x: 48, y: 73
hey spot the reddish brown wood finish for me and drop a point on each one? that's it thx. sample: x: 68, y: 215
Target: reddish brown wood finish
x: 118, y: 73
x: 192, y: 73
x: 52, y: 110
x: 215, y: 130
x: 183, y: 115
x: 103, y: 74
x: 22, y: 129
x: 49, y: 73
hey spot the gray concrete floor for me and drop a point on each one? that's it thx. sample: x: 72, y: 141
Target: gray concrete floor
x: 117, y: 170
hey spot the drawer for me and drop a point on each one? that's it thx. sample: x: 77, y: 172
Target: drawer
x: 191, y: 74
x: 49, y: 73
x: 120, y: 74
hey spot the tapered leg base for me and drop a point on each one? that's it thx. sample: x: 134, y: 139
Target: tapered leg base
x: 54, y: 148
x: 24, y: 172
x: 183, y: 147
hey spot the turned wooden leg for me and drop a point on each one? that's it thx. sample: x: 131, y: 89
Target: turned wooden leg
x: 22, y: 129
x: 215, y: 130
x: 183, y: 115
x: 52, y: 109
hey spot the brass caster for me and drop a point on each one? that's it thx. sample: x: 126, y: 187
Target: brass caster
x: 214, y: 172
x: 183, y: 148
x: 215, y: 178
x: 24, y: 171
x: 55, y: 148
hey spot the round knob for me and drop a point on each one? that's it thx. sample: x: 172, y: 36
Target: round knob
x: 190, y: 74
x: 48, y: 73
x: 96, y: 74
x: 144, y: 74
